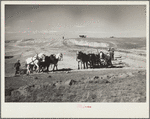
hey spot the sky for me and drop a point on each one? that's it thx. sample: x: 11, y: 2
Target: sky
x: 71, y: 20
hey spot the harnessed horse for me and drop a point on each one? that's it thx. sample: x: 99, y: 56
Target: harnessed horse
x: 52, y: 59
x: 82, y: 58
x: 34, y: 61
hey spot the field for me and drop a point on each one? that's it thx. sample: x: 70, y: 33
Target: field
x: 124, y: 82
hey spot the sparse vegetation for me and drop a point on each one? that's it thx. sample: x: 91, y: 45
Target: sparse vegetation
x: 115, y: 84
x: 119, y: 87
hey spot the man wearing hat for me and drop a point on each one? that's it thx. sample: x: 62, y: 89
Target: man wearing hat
x: 17, y: 67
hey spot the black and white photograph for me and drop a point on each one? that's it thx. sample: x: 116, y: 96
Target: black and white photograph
x: 81, y: 54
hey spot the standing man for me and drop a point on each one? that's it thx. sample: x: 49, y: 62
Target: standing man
x: 17, y: 67
x: 112, y: 49
x: 109, y: 56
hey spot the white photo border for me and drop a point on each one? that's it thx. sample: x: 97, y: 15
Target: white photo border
x: 70, y: 110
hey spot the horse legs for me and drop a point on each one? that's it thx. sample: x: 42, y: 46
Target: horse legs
x: 112, y: 56
x: 90, y: 64
x: 28, y: 69
x: 38, y: 69
x: 47, y: 68
x: 84, y: 65
x: 31, y: 67
x: 54, y: 67
x: 78, y: 65
x: 51, y: 66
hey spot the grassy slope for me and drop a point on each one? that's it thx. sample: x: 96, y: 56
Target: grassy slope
x: 109, y: 86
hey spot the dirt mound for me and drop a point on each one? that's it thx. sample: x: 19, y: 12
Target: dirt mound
x: 96, y: 79
x: 100, y: 81
x: 70, y: 82
x: 130, y: 74
x: 8, y: 57
x: 142, y: 72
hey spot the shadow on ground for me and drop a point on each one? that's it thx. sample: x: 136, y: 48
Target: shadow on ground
x: 23, y: 71
x: 63, y: 69
x: 97, y: 67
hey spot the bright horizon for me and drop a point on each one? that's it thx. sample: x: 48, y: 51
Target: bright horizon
x: 44, y: 21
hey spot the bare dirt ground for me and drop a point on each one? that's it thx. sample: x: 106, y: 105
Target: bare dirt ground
x: 124, y: 82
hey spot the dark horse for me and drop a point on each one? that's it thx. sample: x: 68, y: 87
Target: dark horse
x: 92, y: 59
x: 52, y: 59
x: 82, y: 58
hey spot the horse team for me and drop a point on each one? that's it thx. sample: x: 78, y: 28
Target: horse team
x: 94, y: 60
x: 40, y: 62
